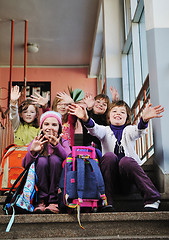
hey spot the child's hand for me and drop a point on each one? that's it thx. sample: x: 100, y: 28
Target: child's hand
x: 152, y: 112
x: 54, y: 140
x: 89, y: 100
x: 38, y: 99
x: 79, y: 111
x: 15, y: 94
x: 114, y: 93
x: 65, y: 97
x: 37, y: 144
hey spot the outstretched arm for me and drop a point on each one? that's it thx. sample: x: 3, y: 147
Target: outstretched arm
x: 152, y: 112
x: 79, y: 111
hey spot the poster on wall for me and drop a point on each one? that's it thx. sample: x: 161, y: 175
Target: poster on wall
x: 39, y: 87
x: 36, y: 90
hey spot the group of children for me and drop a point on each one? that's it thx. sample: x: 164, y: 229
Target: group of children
x: 106, y: 126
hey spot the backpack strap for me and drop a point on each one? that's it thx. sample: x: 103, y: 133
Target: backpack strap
x: 98, y: 175
x: 23, y: 175
x: 81, y: 178
x: 99, y: 180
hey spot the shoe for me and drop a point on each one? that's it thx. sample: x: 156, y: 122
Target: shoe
x: 152, y: 207
x: 108, y: 208
x: 52, y: 208
x: 40, y: 208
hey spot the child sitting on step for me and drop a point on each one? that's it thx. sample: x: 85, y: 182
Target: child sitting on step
x: 120, y: 165
x: 60, y: 104
x: 48, y: 150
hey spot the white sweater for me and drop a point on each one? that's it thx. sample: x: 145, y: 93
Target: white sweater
x: 108, y: 139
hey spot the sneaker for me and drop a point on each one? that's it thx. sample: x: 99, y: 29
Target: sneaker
x: 52, y: 208
x: 108, y: 208
x: 40, y: 208
x: 151, y: 207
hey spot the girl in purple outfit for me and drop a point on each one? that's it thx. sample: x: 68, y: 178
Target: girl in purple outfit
x: 120, y: 165
x: 49, y: 150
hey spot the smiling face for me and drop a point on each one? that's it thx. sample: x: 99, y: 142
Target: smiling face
x: 50, y: 127
x: 118, y: 115
x: 29, y: 114
x: 100, y: 106
x: 62, y: 108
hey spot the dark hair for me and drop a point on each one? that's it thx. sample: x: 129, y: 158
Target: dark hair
x: 54, y: 108
x: 24, y: 106
x: 121, y: 103
x: 103, y: 96
x: 103, y: 117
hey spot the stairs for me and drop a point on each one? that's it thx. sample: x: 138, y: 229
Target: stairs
x: 118, y: 225
x: 128, y: 222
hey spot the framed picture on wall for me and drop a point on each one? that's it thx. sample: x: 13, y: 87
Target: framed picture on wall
x: 40, y: 87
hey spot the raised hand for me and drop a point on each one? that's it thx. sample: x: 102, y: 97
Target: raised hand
x: 38, y: 99
x: 37, y: 144
x: 53, y: 139
x: 15, y: 94
x: 89, y: 100
x: 79, y: 111
x: 65, y: 97
x: 114, y: 93
x: 152, y: 112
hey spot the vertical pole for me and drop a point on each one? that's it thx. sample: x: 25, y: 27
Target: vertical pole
x: 11, y: 60
x: 147, y: 145
x: 25, y: 59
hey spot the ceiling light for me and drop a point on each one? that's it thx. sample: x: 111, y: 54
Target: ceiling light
x: 32, y: 47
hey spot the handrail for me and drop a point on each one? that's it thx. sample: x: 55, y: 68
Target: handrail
x: 144, y: 146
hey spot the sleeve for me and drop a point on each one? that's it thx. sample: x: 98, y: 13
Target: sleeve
x: 45, y: 109
x: 14, y: 116
x: 62, y: 150
x: 95, y: 129
x: 72, y: 119
x: 89, y: 124
x: 29, y: 158
x: 142, y: 124
x: 134, y: 132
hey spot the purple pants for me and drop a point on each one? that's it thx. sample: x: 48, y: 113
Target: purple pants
x: 48, y: 170
x: 119, y: 177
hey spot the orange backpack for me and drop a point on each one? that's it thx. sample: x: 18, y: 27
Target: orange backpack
x: 11, y: 165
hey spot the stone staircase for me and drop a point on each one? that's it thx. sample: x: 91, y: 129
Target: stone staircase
x: 122, y: 224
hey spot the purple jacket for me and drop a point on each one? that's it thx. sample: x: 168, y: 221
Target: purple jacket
x: 61, y: 150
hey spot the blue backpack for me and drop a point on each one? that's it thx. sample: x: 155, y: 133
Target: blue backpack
x: 81, y: 183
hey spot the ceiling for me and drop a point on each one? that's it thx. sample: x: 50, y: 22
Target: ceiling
x: 63, y: 29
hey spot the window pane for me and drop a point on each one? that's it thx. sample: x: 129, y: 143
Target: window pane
x: 143, y: 47
x: 127, y: 16
x: 131, y: 76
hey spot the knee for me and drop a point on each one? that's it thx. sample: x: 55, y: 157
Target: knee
x: 109, y: 158
x: 55, y: 161
x: 127, y: 163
